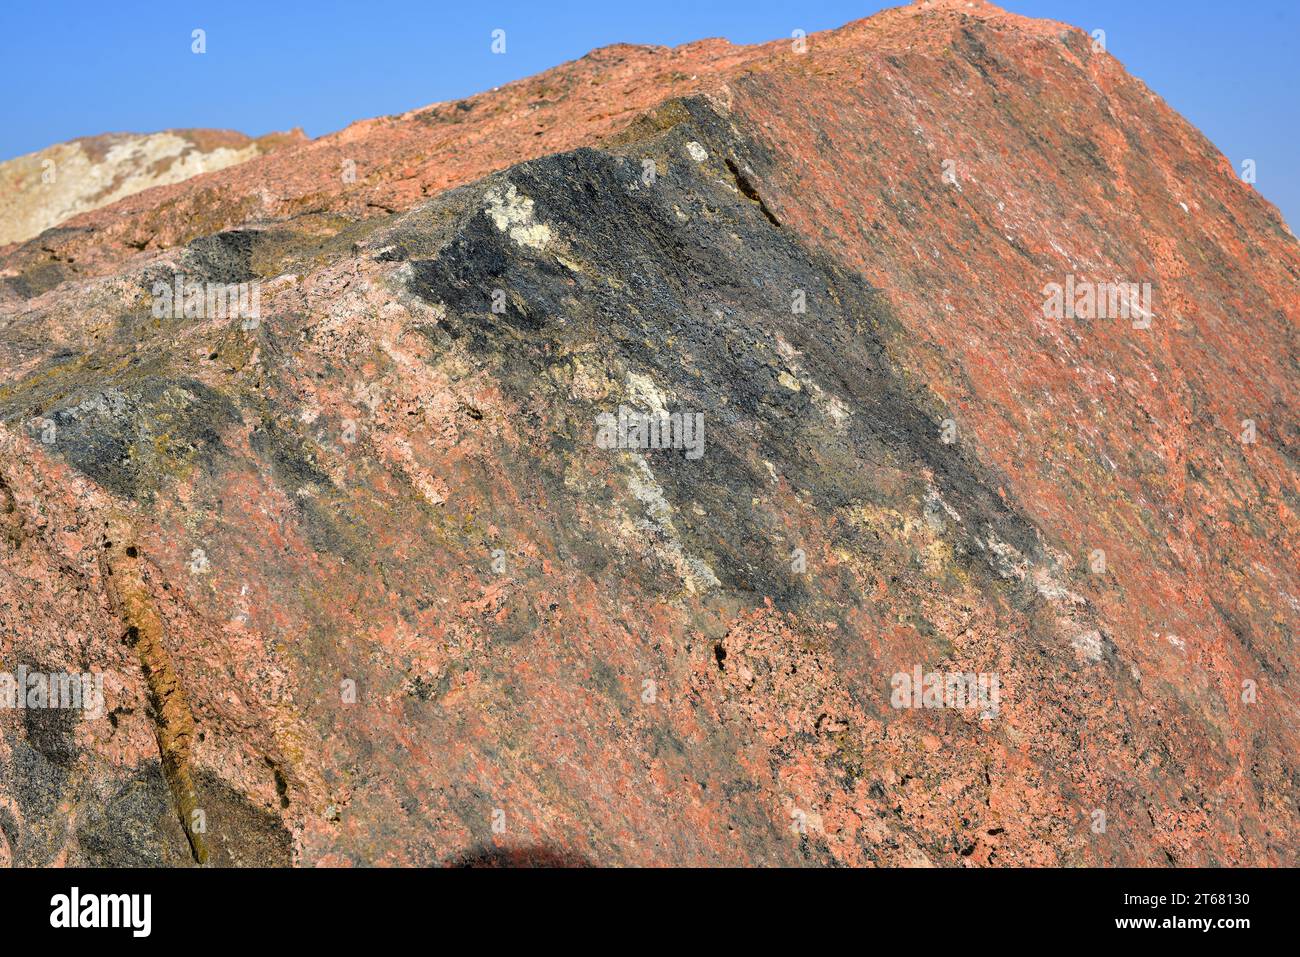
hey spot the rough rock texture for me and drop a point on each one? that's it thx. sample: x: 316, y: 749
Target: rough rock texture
x: 43, y: 189
x: 367, y: 590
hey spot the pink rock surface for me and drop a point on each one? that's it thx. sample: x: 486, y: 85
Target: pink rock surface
x: 366, y: 590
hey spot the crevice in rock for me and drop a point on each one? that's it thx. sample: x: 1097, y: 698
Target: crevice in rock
x: 750, y: 191
x: 170, y: 710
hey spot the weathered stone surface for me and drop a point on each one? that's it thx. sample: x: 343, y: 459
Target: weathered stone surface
x: 366, y: 589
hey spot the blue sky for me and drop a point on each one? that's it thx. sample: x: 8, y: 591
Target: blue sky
x: 79, y: 68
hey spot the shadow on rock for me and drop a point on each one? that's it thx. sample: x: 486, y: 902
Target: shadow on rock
x: 536, y: 855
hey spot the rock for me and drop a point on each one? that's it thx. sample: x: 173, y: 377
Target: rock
x: 42, y: 189
x: 365, y: 587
